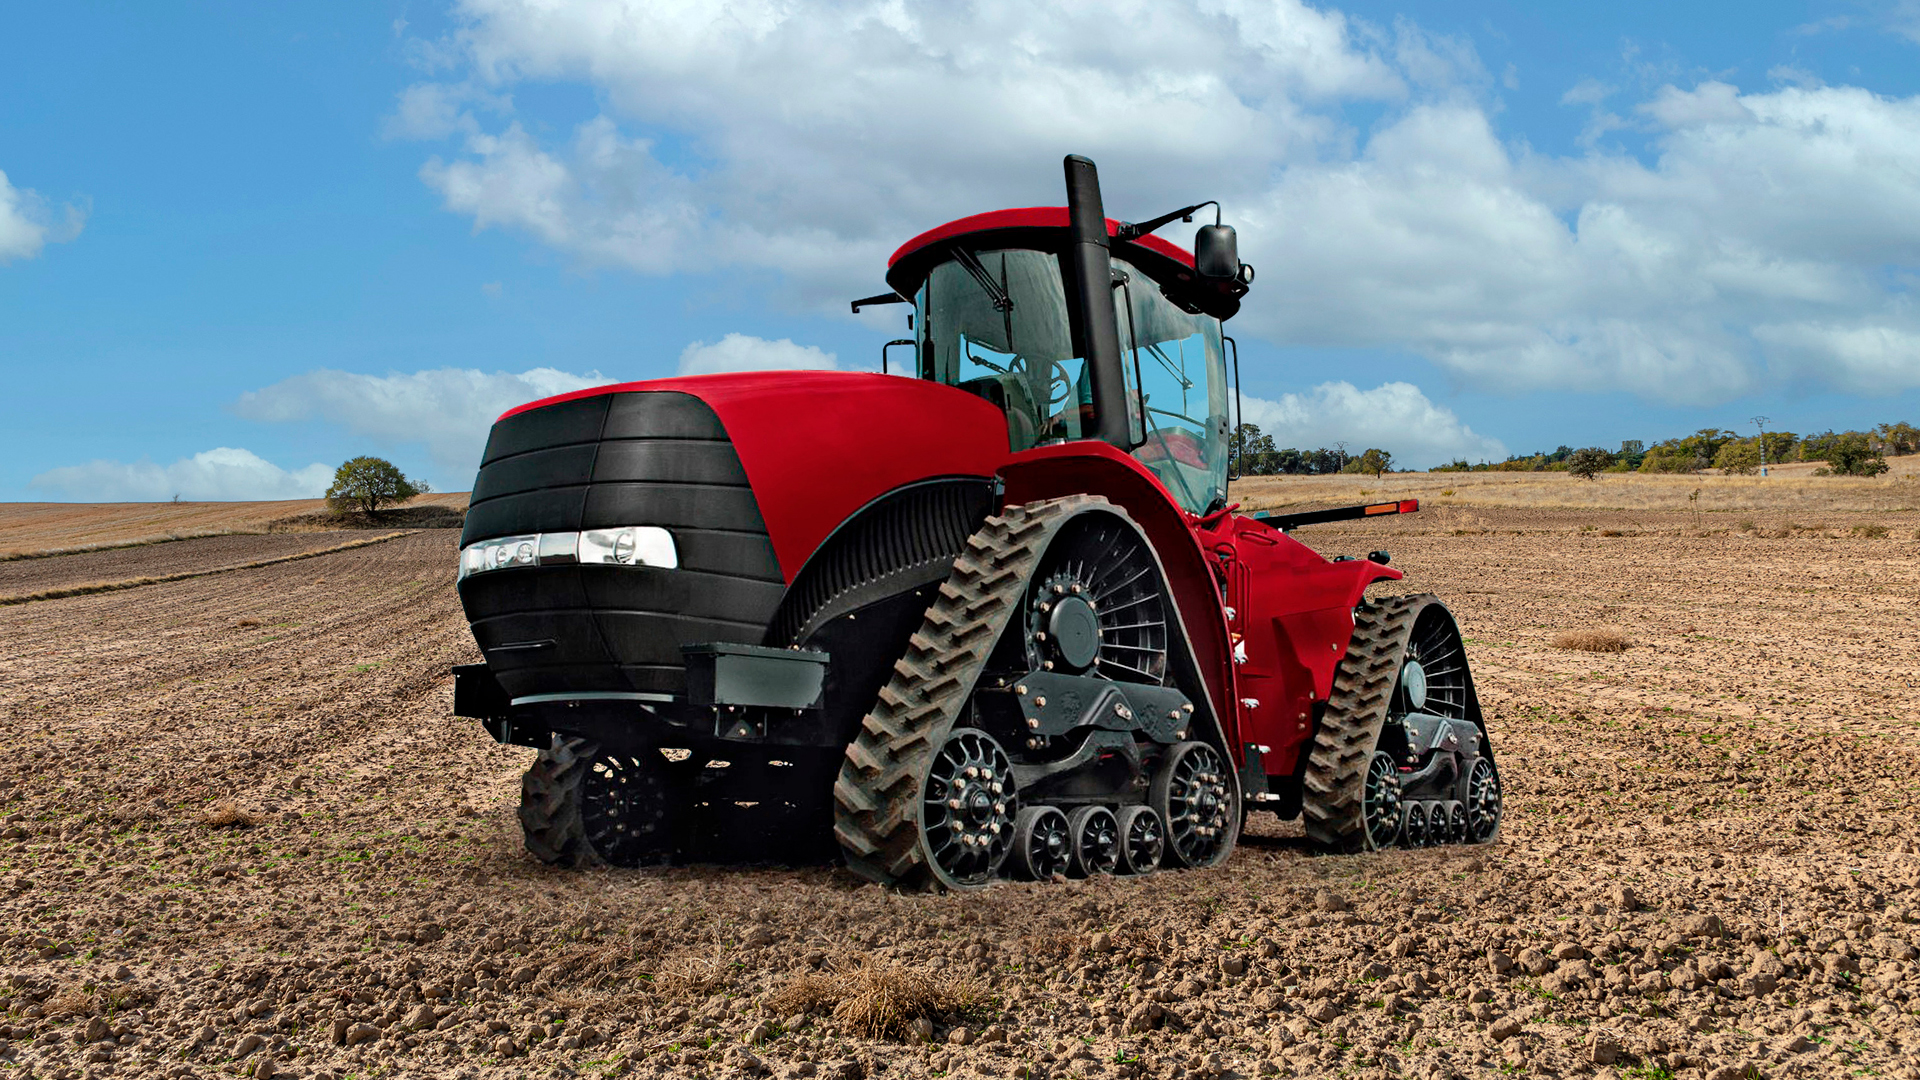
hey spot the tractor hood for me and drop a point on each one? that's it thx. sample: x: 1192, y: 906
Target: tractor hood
x: 815, y: 446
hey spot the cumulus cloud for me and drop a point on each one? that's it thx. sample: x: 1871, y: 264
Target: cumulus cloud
x: 27, y: 224
x: 810, y: 138
x: 221, y: 474
x: 448, y: 409
x: 1395, y: 417
x: 743, y: 352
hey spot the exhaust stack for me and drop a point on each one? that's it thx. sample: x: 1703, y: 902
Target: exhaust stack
x: 1089, y: 272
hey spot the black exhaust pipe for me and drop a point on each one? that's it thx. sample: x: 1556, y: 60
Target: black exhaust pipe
x: 1088, y: 266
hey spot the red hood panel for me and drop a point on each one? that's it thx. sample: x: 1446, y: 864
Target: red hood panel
x: 818, y: 445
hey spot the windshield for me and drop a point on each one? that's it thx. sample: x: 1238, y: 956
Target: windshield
x: 994, y: 323
x: 1177, y: 390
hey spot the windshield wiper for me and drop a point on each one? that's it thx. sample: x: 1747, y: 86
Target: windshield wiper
x: 971, y: 264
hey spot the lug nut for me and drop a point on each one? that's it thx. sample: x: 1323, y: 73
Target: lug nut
x: 1040, y: 702
x: 1078, y: 588
x: 1021, y: 689
x: 1033, y: 722
x: 953, y: 804
x: 1045, y: 607
x: 1059, y: 589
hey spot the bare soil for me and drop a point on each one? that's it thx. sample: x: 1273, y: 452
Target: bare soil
x: 24, y: 576
x: 240, y: 831
x: 29, y: 530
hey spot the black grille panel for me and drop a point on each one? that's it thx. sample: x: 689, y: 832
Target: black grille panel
x: 639, y: 458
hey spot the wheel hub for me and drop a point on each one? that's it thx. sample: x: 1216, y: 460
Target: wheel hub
x: 1413, y: 682
x: 1076, y: 632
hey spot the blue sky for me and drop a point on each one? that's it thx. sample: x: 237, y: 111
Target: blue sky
x: 295, y: 234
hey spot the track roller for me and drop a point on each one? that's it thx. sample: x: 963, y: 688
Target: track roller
x: 1042, y: 843
x: 1143, y: 839
x: 1096, y: 840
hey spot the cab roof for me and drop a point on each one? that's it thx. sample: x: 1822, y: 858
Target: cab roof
x: 1044, y: 228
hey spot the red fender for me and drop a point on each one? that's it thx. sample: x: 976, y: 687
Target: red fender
x: 1095, y: 468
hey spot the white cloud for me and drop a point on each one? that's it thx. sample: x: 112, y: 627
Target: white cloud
x: 810, y: 138
x: 450, y: 410
x: 1395, y: 417
x: 221, y: 474
x: 742, y: 352
x: 27, y: 224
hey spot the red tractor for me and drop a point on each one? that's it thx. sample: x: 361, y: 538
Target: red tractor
x: 996, y: 616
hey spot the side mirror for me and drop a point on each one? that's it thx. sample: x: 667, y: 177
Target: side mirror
x: 1216, y: 253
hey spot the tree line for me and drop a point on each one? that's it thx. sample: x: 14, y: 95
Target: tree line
x: 1254, y: 454
x: 1845, y: 453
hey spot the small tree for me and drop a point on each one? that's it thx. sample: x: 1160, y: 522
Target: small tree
x: 368, y: 483
x: 1587, y: 463
x: 1374, y: 461
x: 1740, y: 457
x: 1853, y: 455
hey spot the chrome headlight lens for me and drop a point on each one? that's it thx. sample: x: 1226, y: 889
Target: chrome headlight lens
x: 628, y: 545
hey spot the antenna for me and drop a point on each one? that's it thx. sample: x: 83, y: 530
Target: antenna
x: 1761, y: 423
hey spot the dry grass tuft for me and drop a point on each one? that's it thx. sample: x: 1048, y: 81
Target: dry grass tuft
x: 1598, y: 639
x: 878, y: 1000
x: 808, y: 993
x: 225, y: 815
x: 1871, y: 532
x: 73, y: 1000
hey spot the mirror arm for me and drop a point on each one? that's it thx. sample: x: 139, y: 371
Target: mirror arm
x: 883, y: 298
x: 1135, y: 232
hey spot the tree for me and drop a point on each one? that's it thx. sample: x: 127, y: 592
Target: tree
x: 1740, y: 457
x: 1587, y: 463
x: 368, y: 483
x: 1375, y: 461
x: 1901, y: 438
x: 1780, y: 446
x: 1854, y: 455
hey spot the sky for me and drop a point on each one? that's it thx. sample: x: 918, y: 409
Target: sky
x: 240, y: 243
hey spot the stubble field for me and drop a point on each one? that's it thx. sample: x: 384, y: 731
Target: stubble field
x: 241, y: 832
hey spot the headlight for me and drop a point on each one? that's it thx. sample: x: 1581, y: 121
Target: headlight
x: 637, y: 545
x: 630, y: 545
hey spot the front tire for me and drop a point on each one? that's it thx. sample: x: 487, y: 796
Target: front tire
x: 581, y: 805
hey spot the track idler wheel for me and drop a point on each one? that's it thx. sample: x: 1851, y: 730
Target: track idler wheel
x: 1143, y: 839
x: 1096, y: 840
x: 1483, y: 803
x: 967, y: 809
x: 1042, y: 843
x: 1192, y: 794
x: 581, y: 805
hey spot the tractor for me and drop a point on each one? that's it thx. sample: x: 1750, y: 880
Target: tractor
x: 988, y: 612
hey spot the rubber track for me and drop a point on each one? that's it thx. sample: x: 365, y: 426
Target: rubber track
x: 877, y: 795
x: 550, y: 803
x: 1349, y: 728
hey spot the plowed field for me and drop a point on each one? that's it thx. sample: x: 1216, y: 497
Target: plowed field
x: 240, y: 831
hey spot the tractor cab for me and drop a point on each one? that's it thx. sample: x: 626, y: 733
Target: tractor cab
x: 997, y: 314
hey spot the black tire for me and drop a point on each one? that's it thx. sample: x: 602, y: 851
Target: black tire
x: 1096, y: 841
x: 583, y: 806
x: 1193, y: 794
x: 1143, y: 839
x: 1042, y: 843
